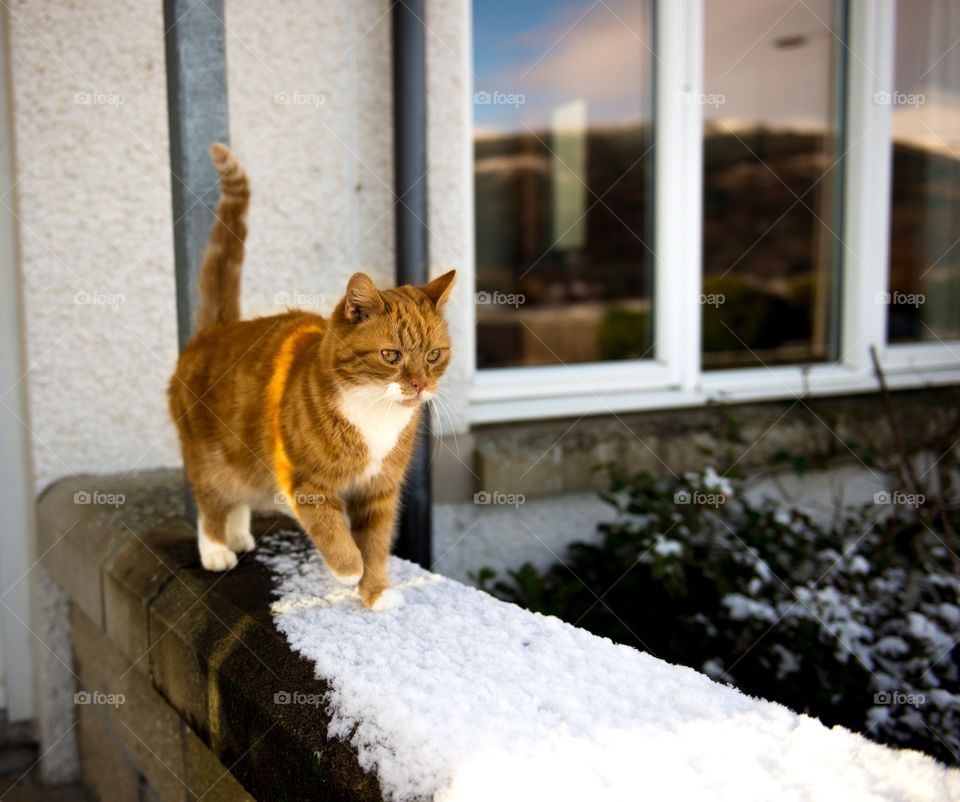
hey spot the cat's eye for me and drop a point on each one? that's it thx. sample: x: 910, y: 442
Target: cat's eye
x: 434, y: 355
x: 391, y: 356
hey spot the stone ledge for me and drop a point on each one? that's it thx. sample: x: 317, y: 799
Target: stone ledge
x: 454, y: 695
x: 196, y: 654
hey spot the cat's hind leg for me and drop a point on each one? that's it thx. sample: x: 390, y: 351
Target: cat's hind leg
x: 237, y: 528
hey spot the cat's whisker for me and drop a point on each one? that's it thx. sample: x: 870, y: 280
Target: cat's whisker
x: 442, y: 407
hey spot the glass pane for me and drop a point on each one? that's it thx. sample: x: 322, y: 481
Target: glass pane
x: 924, y: 286
x: 563, y: 167
x: 770, y: 229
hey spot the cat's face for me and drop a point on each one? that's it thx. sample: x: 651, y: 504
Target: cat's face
x: 392, y: 345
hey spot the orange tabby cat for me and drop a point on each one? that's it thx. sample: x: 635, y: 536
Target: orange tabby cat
x: 318, y: 413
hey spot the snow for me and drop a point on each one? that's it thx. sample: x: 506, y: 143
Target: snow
x: 456, y: 697
x: 665, y: 547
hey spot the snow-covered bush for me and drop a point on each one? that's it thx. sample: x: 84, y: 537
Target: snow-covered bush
x: 857, y: 623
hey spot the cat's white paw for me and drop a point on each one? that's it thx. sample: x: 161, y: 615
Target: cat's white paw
x: 238, y: 529
x: 217, y: 558
x: 214, y: 556
x: 350, y: 580
x: 241, y: 541
x: 390, y: 599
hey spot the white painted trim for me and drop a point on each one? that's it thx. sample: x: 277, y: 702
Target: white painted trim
x: 678, y: 189
x: 16, y: 485
x: 740, y: 386
x: 553, y: 380
x: 922, y: 356
x: 867, y: 176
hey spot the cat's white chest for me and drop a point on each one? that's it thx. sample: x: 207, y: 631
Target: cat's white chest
x: 378, y: 420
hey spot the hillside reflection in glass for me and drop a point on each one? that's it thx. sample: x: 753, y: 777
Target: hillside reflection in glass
x: 923, y: 298
x: 771, y: 227
x: 563, y: 167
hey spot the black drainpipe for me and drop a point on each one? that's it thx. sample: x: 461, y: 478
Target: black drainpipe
x: 410, y: 166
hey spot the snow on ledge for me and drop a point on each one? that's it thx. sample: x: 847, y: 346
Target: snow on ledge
x: 458, y: 696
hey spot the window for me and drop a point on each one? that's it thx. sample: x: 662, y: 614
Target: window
x: 562, y: 169
x: 772, y: 73
x: 796, y: 161
x: 925, y: 208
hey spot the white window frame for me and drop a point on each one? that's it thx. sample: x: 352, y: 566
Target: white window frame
x: 673, y: 377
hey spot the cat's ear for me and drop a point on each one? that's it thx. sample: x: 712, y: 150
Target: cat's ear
x: 438, y: 290
x: 362, y: 299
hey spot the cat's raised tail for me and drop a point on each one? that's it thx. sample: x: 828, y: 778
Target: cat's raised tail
x: 219, y: 281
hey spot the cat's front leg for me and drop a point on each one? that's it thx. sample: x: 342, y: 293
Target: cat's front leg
x: 371, y: 522
x: 320, y: 512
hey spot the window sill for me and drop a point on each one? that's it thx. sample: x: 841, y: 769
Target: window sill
x: 520, y: 394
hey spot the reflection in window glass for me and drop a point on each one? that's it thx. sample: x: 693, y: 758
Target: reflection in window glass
x: 562, y: 171
x: 771, y: 172
x: 924, y: 292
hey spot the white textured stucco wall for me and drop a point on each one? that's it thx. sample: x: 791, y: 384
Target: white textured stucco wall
x: 93, y: 193
x: 450, y: 190
x: 310, y: 117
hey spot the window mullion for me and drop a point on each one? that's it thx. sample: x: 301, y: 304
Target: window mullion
x: 678, y: 188
x: 867, y: 175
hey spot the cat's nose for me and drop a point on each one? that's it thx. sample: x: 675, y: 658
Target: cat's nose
x: 418, y: 385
